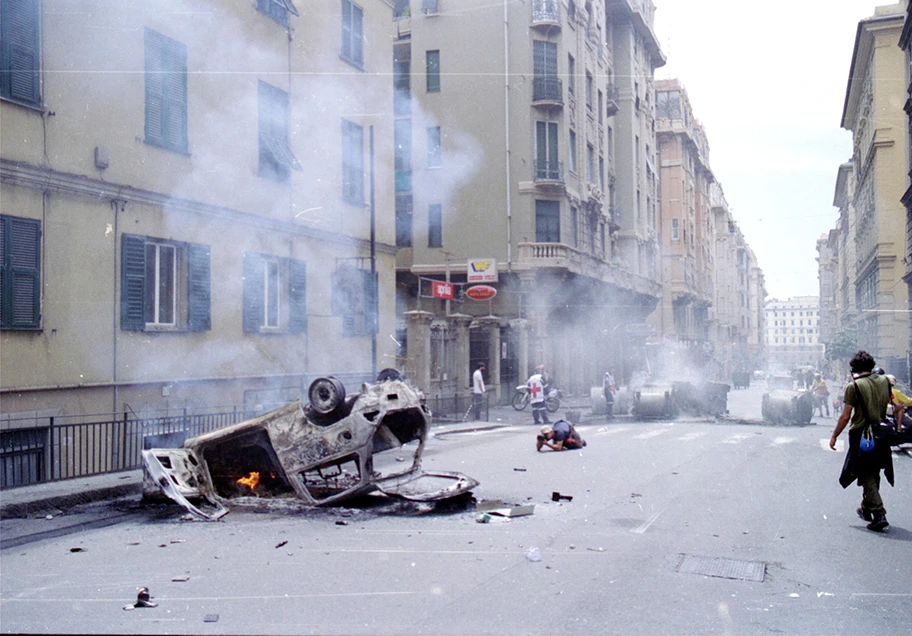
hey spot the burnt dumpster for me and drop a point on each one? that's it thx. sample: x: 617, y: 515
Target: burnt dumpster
x: 332, y: 449
x: 781, y: 406
x: 709, y: 398
x: 652, y: 401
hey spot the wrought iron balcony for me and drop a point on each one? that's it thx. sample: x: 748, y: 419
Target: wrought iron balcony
x: 611, y: 100
x: 549, y: 170
x: 546, y: 13
x: 547, y: 91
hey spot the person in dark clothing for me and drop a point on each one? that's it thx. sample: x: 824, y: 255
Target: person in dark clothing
x: 866, y: 399
x: 559, y: 436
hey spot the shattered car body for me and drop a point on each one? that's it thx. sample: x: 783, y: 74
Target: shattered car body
x: 330, y: 450
x: 782, y: 406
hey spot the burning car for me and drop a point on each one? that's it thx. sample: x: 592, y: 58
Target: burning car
x: 332, y: 449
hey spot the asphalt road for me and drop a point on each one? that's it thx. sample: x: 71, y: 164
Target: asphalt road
x: 667, y: 523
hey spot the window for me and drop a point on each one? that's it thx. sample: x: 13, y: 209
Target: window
x: 403, y: 221
x: 403, y: 154
x: 275, y: 298
x: 432, y: 68
x: 402, y: 84
x: 166, y: 92
x: 601, y: 107
x: 574, y: 226
x: 433, y: 147
x: 590, y: 163
x: 675, y: 229
x: 278, y: 10
x: 352, y: 33
x: 20, y: 279
x: 588, y: 91
x: 547, y: 221
x: 545, y: 82
x: 601, y: 173
x: 352, y: 163
x: 572, y: 151
x: 435, y: 225
x: 20, y: 51
x: 354, y: 298
x: 276, y: 158
x: 164, y: 285
x: 547, y: 164
x: 571, y: 73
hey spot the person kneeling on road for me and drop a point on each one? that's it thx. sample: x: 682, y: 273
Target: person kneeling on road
x: 559, y: 436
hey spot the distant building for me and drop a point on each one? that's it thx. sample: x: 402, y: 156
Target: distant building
x: 792, y: 332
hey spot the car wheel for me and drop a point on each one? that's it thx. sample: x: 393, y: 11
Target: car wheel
x: 326, y: 395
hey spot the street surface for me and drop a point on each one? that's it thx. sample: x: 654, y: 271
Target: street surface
x: 648, y: 497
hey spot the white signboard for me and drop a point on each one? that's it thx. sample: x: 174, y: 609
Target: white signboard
x: 482, y: 270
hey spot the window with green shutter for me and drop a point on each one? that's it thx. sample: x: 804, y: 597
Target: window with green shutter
x: 278, y: 10
x: 166, y: 92
x: 275, y: 294
x: 20, y: 279
x: 352, y: 33
x: 355, y: 299
x: 20, y: 51
x: 165, y: 285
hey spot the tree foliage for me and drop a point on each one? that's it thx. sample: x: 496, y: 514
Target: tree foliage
x: 844, y: 343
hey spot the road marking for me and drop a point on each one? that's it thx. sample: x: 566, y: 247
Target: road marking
x: 643, y: 527
x: 651, y: 434
x: 779, y: 441
x: 610, y: 431
x: 736, y: 439
x: 691, y: 437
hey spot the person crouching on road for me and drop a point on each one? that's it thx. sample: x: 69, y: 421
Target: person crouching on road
x: 866, y: 399
x: 561, y: 436
x: 536, y: 386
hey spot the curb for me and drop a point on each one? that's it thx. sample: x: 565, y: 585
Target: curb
x: 36, y: 503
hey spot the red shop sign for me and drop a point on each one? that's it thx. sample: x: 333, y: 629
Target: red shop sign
x: 481, y: 292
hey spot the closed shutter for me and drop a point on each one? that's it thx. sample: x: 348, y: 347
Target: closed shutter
x: 155, y: 91
x: 133, y: 282
x: 166, y: 92
x: 253, y: 292
x: 371, y: 298
x: 19, y: 51
x: 20, y: 289
x: 199, y: 298
x: 297, y: 296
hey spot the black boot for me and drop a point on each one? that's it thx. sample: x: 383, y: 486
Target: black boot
x: 864, y: 513
x: 879, y: 524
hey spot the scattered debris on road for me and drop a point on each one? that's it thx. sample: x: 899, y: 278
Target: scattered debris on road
x: 143, y: 599
x: 556, y: 496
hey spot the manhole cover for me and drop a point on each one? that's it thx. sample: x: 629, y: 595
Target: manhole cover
x: 722, y: 568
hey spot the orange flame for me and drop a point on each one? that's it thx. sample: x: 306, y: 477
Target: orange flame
x: 250, y: 481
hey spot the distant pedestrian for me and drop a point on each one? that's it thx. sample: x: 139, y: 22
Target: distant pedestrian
x: 536, y: 385
x: 609, y: 388
x: 478, y: 390
x: 821, y: 393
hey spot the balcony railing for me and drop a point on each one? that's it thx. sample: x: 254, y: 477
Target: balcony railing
x: 547, y: 90
x: 546, y: 13
x: 561, y: 256
x: 611, y: 100
x: 549, y: 170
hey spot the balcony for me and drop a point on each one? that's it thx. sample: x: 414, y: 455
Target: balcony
x: 534, y: 256
x: 547, y: 91
x: 611, y: 100
x: 549, y: 172
x: 546, y: 13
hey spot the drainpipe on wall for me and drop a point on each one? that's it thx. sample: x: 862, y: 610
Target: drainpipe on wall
x: 507, y: 132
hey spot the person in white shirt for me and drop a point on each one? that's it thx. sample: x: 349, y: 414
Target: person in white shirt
x: 536, y: 386
x: 478, y: 389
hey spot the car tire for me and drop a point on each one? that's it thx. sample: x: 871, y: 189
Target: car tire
x: 326, y: 395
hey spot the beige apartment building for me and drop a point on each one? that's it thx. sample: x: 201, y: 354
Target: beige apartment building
x: 685, y: 225
x: 736, y: 322
x: 190, y: 204
x: 791, y: 333
x: 905, y: 43
x: 525, y: 153
x: 871, y: 188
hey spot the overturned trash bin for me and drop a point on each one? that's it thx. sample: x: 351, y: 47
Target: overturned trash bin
x: 787, y: 407
x: 333, y: 449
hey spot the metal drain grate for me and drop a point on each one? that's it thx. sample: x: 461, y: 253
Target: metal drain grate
x: 722, y: 568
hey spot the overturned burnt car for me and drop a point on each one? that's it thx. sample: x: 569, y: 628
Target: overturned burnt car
x: 332, y: 449
x: 783, y: 406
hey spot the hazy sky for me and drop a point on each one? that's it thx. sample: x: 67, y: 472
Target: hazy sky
x: 767, y: 81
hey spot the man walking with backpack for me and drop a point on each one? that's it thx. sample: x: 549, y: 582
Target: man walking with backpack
x: 866, y: 399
